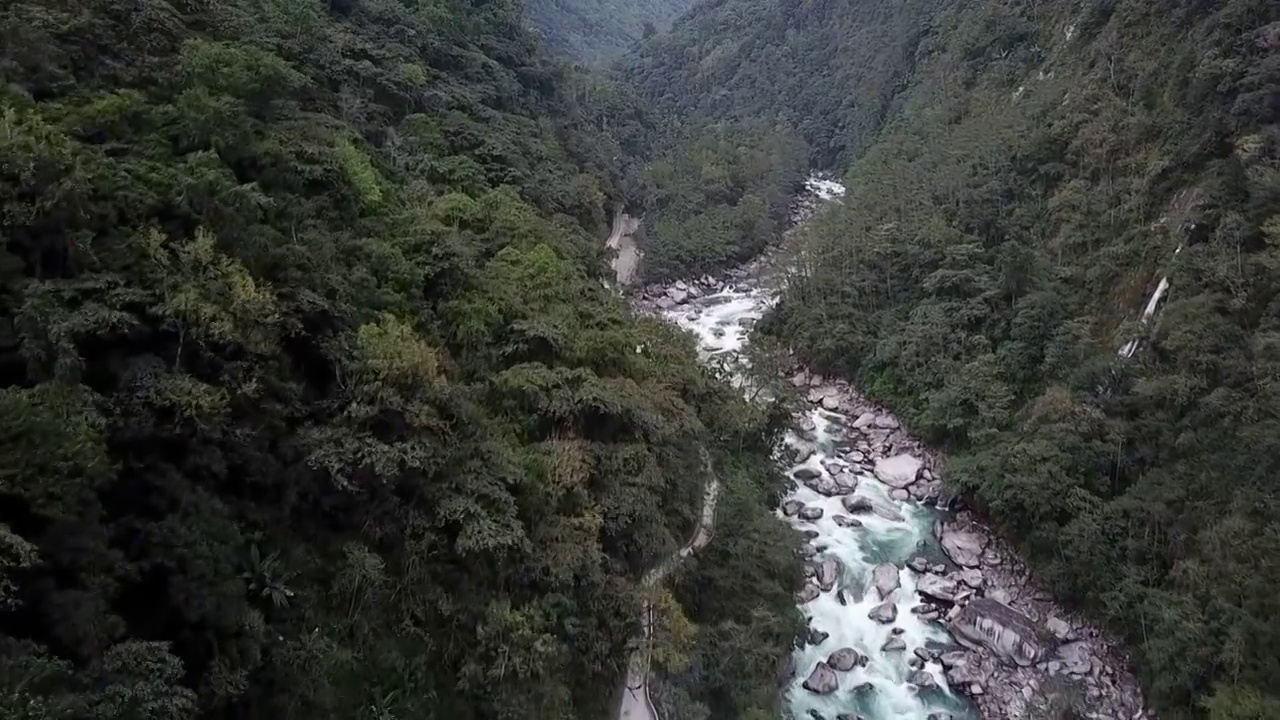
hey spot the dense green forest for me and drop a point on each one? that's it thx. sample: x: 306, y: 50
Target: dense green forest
x: 312, y: 401
x: 716, y: 194
x: 596, y: 31
x: 1021, y: 176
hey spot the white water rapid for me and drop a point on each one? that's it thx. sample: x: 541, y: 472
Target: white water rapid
x: 896, y: 531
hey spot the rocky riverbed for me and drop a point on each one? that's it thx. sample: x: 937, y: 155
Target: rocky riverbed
x: 916, y: 609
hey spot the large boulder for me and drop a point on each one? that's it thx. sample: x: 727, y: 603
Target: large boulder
x: 808, y: 593
x: 885, y: 579
x: 791, y: 507
x: 822, y: 680
x: 805, y: 473
x: 964, y: 548
x: 828, y: 573
x: 678, y: 296
x: 937, y: 588
x: 921, y: 678
x: 846, y: 659
x: 856, y: 504
x: 898, y: 471
x: 1007, y: 633
x: 884, y: 613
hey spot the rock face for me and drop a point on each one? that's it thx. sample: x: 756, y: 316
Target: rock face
x: 822, y: 680
x: 999, y: 628
x: 898, y: 471
x: 964, y: 548
x: 885, y: 579
x: 845, y: 659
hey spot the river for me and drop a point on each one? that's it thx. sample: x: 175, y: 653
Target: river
x: 877, y: 688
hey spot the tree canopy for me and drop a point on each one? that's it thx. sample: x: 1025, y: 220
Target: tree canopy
x: 312, y: 401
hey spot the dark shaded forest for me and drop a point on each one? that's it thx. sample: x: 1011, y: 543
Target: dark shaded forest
x: 312, y: 401
x: 1021, y: 177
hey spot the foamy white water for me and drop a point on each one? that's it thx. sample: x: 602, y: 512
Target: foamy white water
x: 879, y: 689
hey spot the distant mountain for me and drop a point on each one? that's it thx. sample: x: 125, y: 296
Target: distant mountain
x: 593, y: 31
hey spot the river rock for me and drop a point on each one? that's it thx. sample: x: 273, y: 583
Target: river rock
x: 678, y: 296
x: 938, y: 588
x: 806, y: 473
x: 964, y: 548
x: 817, y: 637
x: 999, y: 628
x: 791, y: 507
x: 971, y: 577
x: 900, y: 495
x: 845, y: 521
x: 1061, y: 629
x: 894, y: 644
x: 898, y: 471
x: 887, y: 422
x: 822, y: 680
x: 826, y: 486
x: 884, y: 613
x: 919, y: 563
x: 846, y: 659
x: 866, y: 419
x: 810, y: 513
x: 921, y: 678
x: 831, y: 402
x: 856, y: 504
x: 885, y: 579
x: 828, y: 573
x: 809, y: 593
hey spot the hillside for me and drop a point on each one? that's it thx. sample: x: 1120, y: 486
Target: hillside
x: 1022, y: 175
x: 312, y: 402
x: 596, y: 31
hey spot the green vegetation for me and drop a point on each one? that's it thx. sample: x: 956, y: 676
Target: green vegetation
x: 717, y: 196
x: 596, y: 31
x: 1021, y: 176
x: 312, y: 403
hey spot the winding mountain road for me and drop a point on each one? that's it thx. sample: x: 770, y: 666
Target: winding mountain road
x: 635, y: 704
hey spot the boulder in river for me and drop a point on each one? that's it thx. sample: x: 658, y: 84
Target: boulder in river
x: 884, y: 613
x: 898, y: 471
x: 937, y: 588
x: 817, y: 637
x: 828, y: 573
x: 866, y: 419
x: 885, y: 579
x: 806, y: 473
x: 810, y: 512
x: 894, y: 644
x: 791, y: 507
x: 921, y: 678
x: 808, y: 593
x: 964, y: 548
x: 856, y: 504
x: 822, y: 680
x: 678, y: 296
x: 845, y: 659
x: 845, y: 521
x: 1004, y: 631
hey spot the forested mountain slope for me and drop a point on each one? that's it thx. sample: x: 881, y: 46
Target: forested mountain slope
x: 312, y: 403
x: 1021, y: 176
x: 594, y: 31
